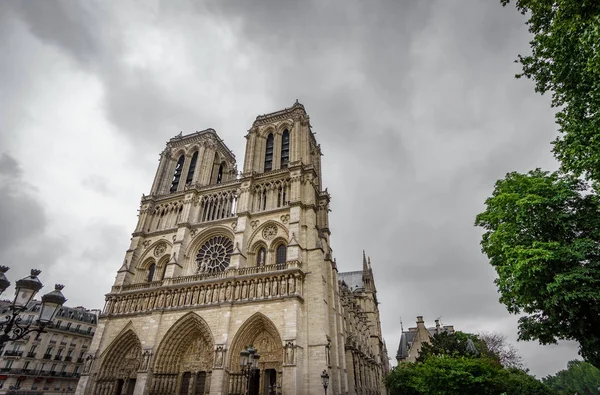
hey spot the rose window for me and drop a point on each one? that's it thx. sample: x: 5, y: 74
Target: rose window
x: 214, y: 255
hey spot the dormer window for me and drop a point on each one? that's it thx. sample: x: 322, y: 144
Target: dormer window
x: 269, y: 153
x: 285, y: 149
x: 177, y: 175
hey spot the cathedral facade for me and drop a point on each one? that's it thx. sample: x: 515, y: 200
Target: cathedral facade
x: 220, y: 262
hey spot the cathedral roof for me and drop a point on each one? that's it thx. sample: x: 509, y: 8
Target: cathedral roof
x: 354, y: 280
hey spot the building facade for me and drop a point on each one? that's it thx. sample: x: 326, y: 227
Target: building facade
x: 413, y: 339
x: 220, y: 261
x: 52, y: 362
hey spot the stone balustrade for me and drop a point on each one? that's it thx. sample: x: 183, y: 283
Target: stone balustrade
x: 231, y: 286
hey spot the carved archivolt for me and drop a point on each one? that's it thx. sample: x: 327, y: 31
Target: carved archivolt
x: 187, y: 346
x: 260, y: 332
x: 123, y: 357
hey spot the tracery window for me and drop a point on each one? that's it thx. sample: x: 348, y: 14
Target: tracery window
x: 151, y: 270
x: 192, y: 169
x: 285, y: 149
x: 281, y: 254
x: 214, y: 256
x: 261, y: 257
x: 177, y: 175
x: 269, y: 153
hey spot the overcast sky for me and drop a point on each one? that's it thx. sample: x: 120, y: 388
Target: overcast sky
x: 414, y: 104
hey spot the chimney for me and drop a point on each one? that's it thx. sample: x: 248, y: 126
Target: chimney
x: 437, y: 326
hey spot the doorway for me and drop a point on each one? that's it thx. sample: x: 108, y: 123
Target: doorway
x: 200, y: 383
x: 254, y: 384
x: 185, y: 383
x: 270, y: 382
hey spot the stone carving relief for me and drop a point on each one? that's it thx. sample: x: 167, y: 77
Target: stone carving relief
x: 146, y: 358
x: 289, y: 354
x: 254, y: 223
x: 146, y: 243
x: 219, y: 357
x: 271, y: 286
x: 160, y: 249
x: 89, y: 361
x: 285, y: 218
x: 269, y: 232
x: 234, y: 225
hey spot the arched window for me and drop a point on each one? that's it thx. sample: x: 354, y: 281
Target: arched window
x: 151, y: 270
x: 190, y: 174
x: 285, y: 149
x: 177, y: 175
x: 281, y: 254
x: 261, y: 257
x: 220, y: 174
x: 269, y: 153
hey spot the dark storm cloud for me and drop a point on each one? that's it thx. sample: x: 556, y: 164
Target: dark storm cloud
x: 418, y: 114
x: 414, y: 104
x: 24, y: 239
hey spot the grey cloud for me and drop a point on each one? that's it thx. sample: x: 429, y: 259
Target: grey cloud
x: 97, y: 184
x: 414, y: 104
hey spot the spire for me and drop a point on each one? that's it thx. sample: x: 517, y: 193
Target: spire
x: 370, y: 264
x: 365, y: 267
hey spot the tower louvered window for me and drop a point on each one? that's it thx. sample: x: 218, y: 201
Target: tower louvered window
x: 192, y: 169
x: 269, y: 153
x: 220, y: 174
x: 285, y: 149
x: 177, y: 175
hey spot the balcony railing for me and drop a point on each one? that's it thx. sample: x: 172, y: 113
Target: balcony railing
x: 232, y: 286
x: 38, y: 373
x: 13, y: 353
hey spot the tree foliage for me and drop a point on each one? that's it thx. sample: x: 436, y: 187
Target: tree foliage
x: 542, y: 233
x: 449, y: 366
x: 498, y: 345
x: 580, y: 377
x: 443, y: 374
x: 565, y: 61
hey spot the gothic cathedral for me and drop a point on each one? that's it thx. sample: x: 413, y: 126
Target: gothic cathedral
x: 225, y: 265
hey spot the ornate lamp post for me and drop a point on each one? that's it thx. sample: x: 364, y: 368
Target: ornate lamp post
x: 249, y: 363
x: 325, y: 380
x: 26, y: 289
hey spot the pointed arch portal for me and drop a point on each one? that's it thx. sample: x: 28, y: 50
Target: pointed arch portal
x: 120, y: 364
x: 184, y: 358
x: 260, y: 332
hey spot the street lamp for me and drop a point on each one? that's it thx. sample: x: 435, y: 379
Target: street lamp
x: 249, y: 363
x: 325, y: 380
x: 26, y: 288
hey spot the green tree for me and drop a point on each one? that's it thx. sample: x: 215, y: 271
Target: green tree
x: 580, y: 377
x: 443, y: 374
x: 542, y: 232
x: 452, y: 344
x: 565, y: 61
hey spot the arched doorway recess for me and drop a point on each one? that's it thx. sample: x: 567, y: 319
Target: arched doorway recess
x: 260, y: 332
x: 184, y: 360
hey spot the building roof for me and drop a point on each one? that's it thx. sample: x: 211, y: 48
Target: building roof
x: 354, y: 280
x: 74, y: 313
x: 408, y: 337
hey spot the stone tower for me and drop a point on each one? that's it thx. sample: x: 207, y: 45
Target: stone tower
x: 220, y: 261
